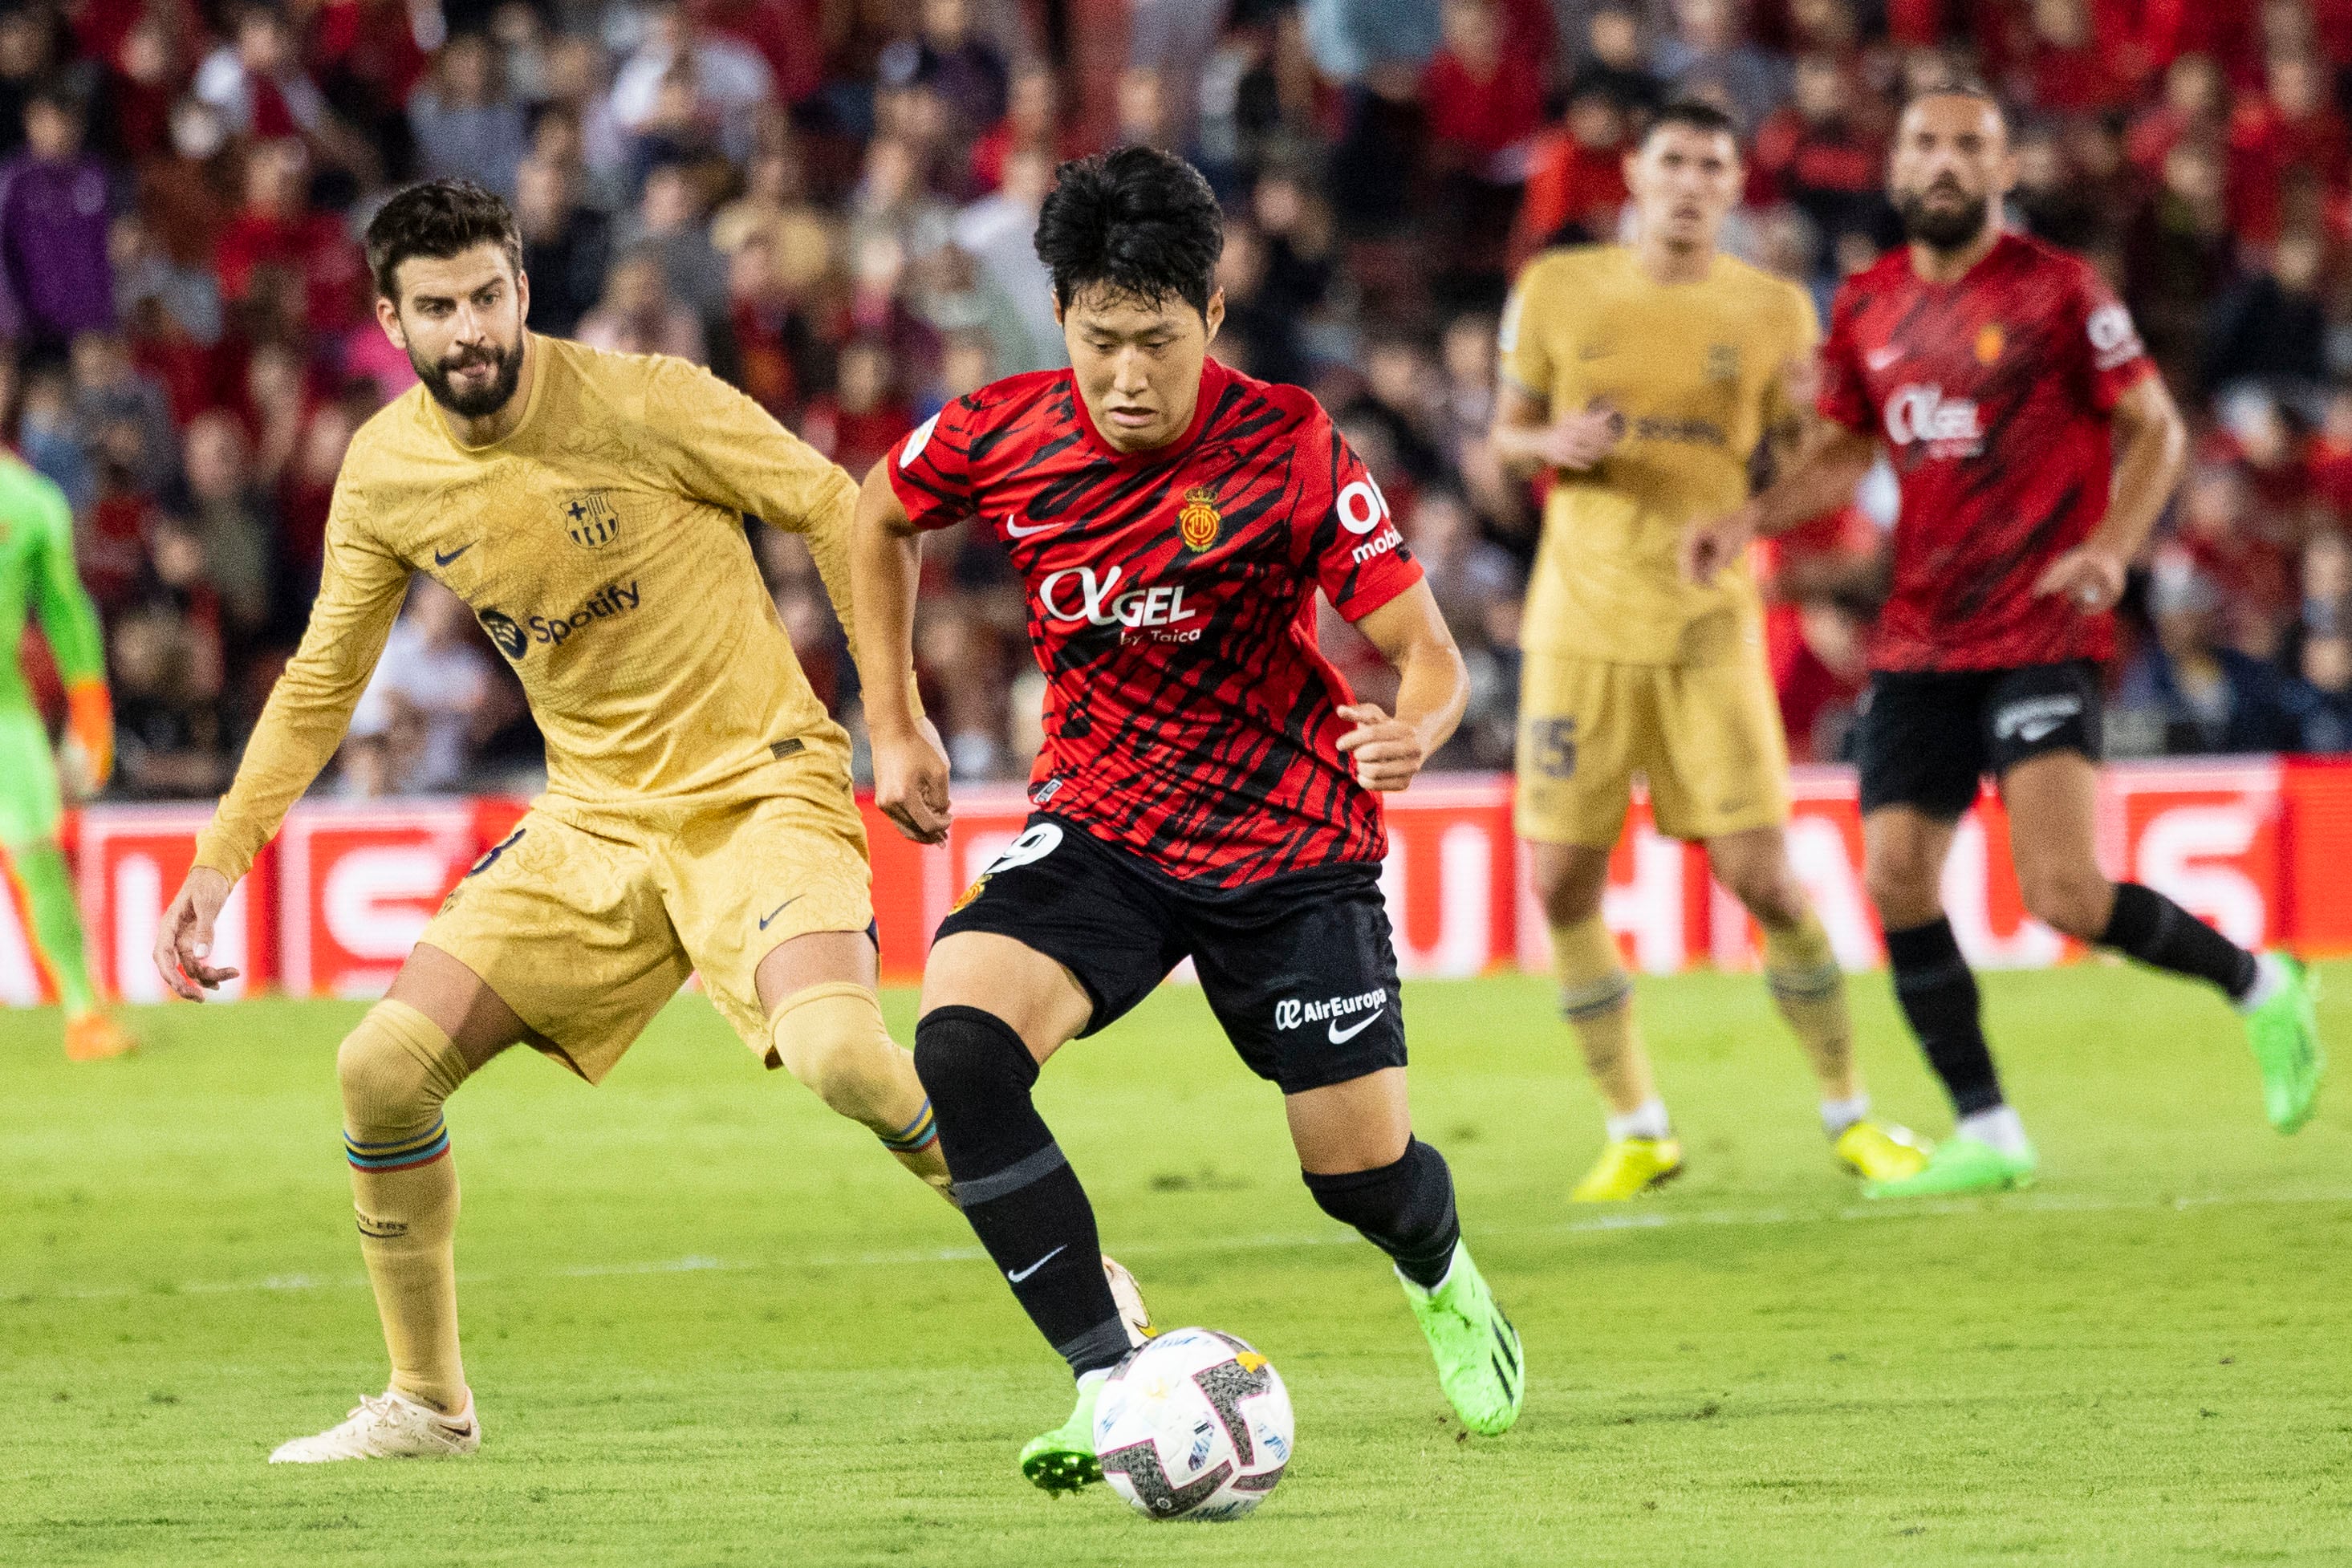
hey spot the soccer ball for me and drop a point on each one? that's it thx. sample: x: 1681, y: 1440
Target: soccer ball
x: 1195, y: 1425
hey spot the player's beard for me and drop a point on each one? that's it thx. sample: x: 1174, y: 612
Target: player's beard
x: 1940, y: 229
x: 476, y: 405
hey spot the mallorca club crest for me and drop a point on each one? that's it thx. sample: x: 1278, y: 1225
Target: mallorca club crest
x: 590, y: 519
x: 1200, y: 519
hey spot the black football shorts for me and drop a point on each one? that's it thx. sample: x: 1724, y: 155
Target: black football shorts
x: 1928, y: 737
x: 1298, y: 968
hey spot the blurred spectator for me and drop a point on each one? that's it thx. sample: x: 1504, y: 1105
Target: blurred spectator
x: 417, y: 724
x: 256, y: 81
x: 110, y: 393
x: 638, y: 315
x: 1616, y: 62
x: 2270, y: 327
x: 2202, y: 695
x: 230, y: 516
x: 464, y: 124
x: 1823, y: 154
x: 566, y: 246
x: 951, y: 58
x: 1032, y: 123
x: 995, y: 232
x: 1708, y: 57
x: 721, y: 77
x: 855, y: 424
x: 1576, y: 179
x: 54, y: 276
x: 277, y: 241
x: 670, y: 225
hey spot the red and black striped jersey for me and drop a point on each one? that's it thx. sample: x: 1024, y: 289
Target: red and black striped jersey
x: 1188, y: 716
x: 1991, y: 394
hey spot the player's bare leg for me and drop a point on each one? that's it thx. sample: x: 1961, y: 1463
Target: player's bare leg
x: 438, y: 1024
x: 1904, y: 850
x: 1596, y: 997
x: 825, y: 1025
x: 1807, y: 985
x: 2052, y: 801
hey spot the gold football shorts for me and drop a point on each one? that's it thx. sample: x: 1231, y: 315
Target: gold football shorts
x: 1704, y: 737
x: 586, y: 920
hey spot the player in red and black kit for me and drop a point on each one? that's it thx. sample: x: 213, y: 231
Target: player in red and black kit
x: 2036, y: 445
x: 1206, y: 786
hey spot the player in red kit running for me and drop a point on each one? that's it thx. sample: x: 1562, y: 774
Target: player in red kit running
x: 2036, y: 447
x: 1206, y: 785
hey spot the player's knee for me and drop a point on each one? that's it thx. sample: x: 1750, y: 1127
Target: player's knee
x: 1768, y: 891
x: 2075, y: 899
x: 395, y: 1071
x: 832, y: 1038
x: 1906, y: 889
x: 968, y: 1057
x: 1567, y: 889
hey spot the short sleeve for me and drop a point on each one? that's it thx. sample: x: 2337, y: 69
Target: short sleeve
x: 2114, y: 361
x: 1519, y: 338
x: 930, y: 467
x: 1359, y: 554
x: 1844, y: 396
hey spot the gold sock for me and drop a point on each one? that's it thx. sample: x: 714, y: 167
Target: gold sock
x: 1596, y: 996
x: 1808, y: 988
x: 395, y: 1069
x: 833, y: 1039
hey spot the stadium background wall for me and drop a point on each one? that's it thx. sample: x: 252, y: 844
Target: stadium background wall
x: 2262, y: 847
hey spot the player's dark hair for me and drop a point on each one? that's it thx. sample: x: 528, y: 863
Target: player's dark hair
x: 1696, y: 113
x: 1139, y: 222
x: 1957, y: 84
x: 439, y: 218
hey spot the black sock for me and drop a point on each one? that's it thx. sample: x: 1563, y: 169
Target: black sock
x: 1023, y: 1199
x: 1939, y: 997
x: 2154, y: 930
x: 1405, y: 1209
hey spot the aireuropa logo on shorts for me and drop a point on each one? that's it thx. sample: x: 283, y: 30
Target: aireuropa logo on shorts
x: 1290, y: 1013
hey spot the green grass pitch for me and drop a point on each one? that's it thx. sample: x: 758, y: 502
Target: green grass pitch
x: 708, y: 1324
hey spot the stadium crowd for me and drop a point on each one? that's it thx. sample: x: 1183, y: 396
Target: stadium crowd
x: 829, y: 202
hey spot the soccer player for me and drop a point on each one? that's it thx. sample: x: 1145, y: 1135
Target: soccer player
x: 37, y: 572
x: 1206, y: 788
x: 590, y: 506
x: 1646, y: 378
x: 2036, y: 445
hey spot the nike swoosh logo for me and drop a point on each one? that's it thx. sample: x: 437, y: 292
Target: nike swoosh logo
x: 1340, y: 1036
x: 1879, y: 359
x: 441, y: 560
x: 780, y: 909
x: 1017, y: 531
x: 2029, y: 733
x: 1018, y: 1276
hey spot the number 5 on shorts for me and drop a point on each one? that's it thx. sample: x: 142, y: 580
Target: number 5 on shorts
x: 1551, y: 747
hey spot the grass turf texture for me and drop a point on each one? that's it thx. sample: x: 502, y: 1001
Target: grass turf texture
x: 710, y: 1323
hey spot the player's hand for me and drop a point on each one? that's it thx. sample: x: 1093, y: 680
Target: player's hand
x: 1388, y: 751
x: 2090, y: 578
x: 184, y: 939
x: 1578, y: 441
x: 1716, y: 544
x: 910, y: 783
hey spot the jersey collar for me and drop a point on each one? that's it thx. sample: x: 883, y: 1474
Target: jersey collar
x: 1214, y: 378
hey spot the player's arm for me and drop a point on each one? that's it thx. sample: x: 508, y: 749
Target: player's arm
x: 69, y: 621
x: 1525, y: 436
x: 910, y: 768
x: 1831, y: 462
x: 2152, y: 448
x: 359, y: 589
x: 1412, y: 635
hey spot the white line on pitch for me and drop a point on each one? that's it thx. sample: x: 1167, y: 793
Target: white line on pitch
x: 1667, y: 1219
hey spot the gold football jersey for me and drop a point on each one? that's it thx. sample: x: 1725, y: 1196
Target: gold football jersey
x: 1698, y: 374
x: 601, y: 544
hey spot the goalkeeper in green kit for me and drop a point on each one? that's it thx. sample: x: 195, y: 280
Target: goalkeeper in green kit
x: 37, y: 572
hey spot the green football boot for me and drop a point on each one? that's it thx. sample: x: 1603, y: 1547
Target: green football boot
x: 2285, y: 1034
x: 1960, y: 1165
x: 1063, y: 1461
x: 1479, y: 1363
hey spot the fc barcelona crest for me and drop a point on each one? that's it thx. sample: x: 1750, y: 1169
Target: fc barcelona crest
x: 590, y: 519
x: 1200, y: 519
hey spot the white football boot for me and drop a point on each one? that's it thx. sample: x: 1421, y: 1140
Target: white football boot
x: 1130, y: 1297
x: 388, y: 1425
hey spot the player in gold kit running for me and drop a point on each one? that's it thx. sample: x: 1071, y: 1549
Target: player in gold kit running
x: 1646, y: 377
x: 591, y: 508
